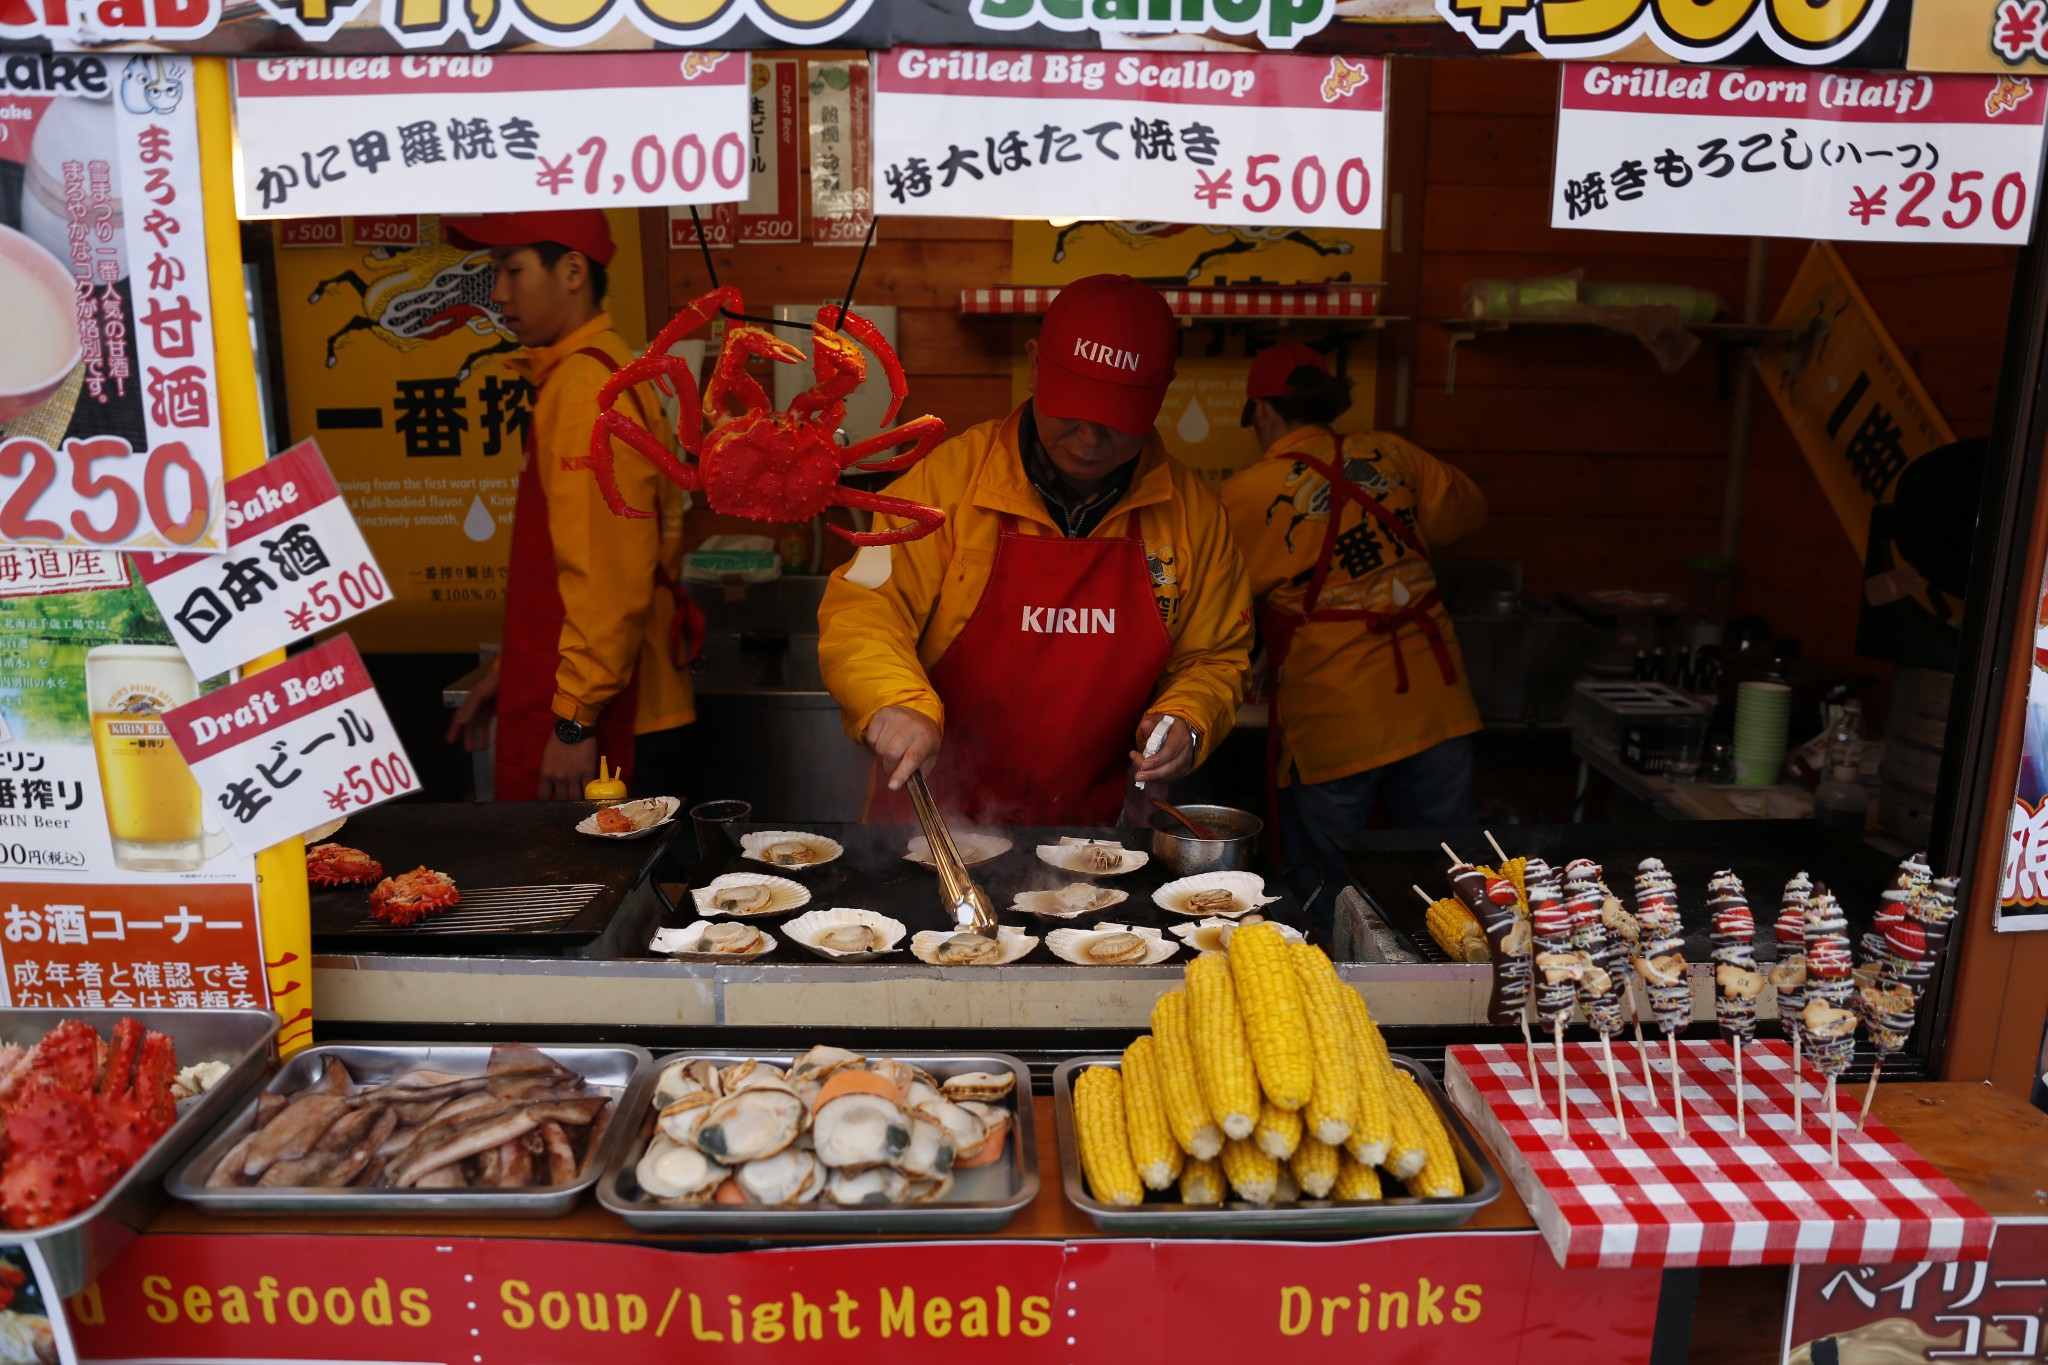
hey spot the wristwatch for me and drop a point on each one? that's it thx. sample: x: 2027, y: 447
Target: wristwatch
x: 569, y: 732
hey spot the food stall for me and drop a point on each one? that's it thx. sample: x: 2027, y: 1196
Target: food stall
x: 747, y: 1053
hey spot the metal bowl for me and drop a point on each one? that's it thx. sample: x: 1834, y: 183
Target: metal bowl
x: 1182, y: 854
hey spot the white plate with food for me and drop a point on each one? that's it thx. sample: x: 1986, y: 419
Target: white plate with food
x: 713, y: 940
x: 975, y: 849
x: 846, y: 935
x: 745, y: 895
x: 792, y: 849
x: 1071, y: 902
x: 963, y: 949
x: 1093, y: 857
x: 630, y: 819
x: 1111, y: 945
x: 1224, y: 895
x: 1213, y: 935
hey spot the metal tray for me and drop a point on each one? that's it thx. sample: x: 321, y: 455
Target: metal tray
x: 984, y: 1199
x: 1397, y: 1213
x: 621, y: 1070
x: 78, y: 1248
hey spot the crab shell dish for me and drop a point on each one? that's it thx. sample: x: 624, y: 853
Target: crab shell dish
x: 789, y: 848
x: 745, y: 894
x: 338, y: 865
x: 412, y: 896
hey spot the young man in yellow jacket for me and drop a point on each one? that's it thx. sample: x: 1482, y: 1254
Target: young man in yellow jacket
x: 1370, y: 700
x: 1083, y: 590
x: 589, y: 665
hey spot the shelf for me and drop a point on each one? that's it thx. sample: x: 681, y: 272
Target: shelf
x: 1346, y: 302
x: 1465, y: 330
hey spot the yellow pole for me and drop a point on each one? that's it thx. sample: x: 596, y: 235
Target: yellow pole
x: 280, y: 871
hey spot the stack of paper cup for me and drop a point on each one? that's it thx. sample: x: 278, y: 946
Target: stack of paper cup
x: 1761, y: 711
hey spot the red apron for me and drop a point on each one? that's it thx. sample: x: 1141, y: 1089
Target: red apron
x: 532, y: 650
x: 1045, y: 686
x: 1279, y: 627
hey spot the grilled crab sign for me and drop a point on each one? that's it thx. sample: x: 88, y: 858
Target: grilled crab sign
x: 756, y: 462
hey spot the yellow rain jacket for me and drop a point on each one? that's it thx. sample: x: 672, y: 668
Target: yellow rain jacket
x: 890, y: 614
x: 616, y: 617
x: 1338, y: 710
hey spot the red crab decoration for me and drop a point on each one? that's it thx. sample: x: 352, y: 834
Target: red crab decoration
x: 758, y: 463
x: 76, y: 1116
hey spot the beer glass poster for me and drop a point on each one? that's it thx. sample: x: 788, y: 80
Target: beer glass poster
x: 118, y: 888
x: 108, y: 430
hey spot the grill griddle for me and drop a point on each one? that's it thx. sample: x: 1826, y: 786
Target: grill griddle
x: 530, y: 883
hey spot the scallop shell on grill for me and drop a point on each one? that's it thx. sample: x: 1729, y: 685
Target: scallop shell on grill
x: 648, y: 814
x: 1200, y: 894
x: 1092, y: 857
x: 975, y: 848
x: 1069, y: 902
x: 942, y: 949
x: 674, y: 1174
x: 707, y: 940
x: 745, y: 894
x: 790, y: 848
x: 1213, y: 935
x: 1111, y: 945
x: 846, y: 935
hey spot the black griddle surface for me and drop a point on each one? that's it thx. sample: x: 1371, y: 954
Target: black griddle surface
x: 1387, y: 864
x: 484, y: 846
x: 873, y: 874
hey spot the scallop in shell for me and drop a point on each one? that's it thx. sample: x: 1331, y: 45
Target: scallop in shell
x: 930, y: 1152
x: 672, y: 1173
x: 1213, y: 935
x: 791, y: 1176
x: 679, y: 1121
x: 974, y: 848
x: 1203, y: 894
x: 752, y: 1072
x: 741, y: 894
x: 982, y: 1086
x: 858, y: 1121
x: 1069, y: 902
x: 712, y: 941
x: 789, y: 848
x: 1093, y: 857
x: 942, y: 949
x: 757, y: 1122
x: 875, y: 1185
x: 846, y: 934
x: 1111, y: 945
x: 698, y: 1075
x: 820, y: 1062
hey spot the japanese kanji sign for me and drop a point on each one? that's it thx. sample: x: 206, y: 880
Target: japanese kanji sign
x: 88, y: 947
x: 1965, y: 1310
x: 2023, y: 891
x: 292, y: 746
x: 771, y: 212
x: 1203, y: 139
x: 296, y: 563
x: 1767, y: 152
x: 108, y: 411
x: 842, y: 153
x: 490, y: 134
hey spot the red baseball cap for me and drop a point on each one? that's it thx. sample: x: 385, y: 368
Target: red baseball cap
x: 1276, y: 365
x: 1105, y: 353
x: 583, y: 230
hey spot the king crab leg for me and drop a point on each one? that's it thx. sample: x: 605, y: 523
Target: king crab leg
x: 926, y: 431
x: 870, y: 336
x: 729, y: 377
x: 924, y: 520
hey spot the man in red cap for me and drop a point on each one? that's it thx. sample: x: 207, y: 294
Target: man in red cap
x: 587, y: 668
x: 1083, y: 593
x: 1371, y: 705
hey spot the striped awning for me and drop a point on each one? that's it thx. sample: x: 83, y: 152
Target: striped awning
x: 1320, y: 301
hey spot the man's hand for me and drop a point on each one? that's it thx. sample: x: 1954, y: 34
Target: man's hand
x: 565, y: 768
x: 904, y: 740
x: 1176, y: 756
x: 471, y: 727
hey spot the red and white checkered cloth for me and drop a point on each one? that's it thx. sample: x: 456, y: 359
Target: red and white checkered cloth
x: 1329, y: 301
x: 1648, y: 1198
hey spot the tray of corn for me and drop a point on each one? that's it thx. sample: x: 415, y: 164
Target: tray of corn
x: 1264, y: 1100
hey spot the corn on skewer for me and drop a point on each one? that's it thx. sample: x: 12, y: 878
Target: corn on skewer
x: 1153, y: 1150
x: 1099, y: 1129
x: 1180, y: 1090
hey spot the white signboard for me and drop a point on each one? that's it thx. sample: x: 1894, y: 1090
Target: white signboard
x: 293, y: 746
x: 486, y: 134
x: 1202, y: 138
x: 296, y: 563
x: 1770, y: 152
x: 109, y: 434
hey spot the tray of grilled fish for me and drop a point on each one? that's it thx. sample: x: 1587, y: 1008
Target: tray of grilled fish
x: 420, y: 1128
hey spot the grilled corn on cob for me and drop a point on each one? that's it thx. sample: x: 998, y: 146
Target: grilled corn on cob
x: 1439, y: 1176
x: 1253, y: 1176
x: 1278, y: 1131
x: 1099, y: 1128
x: 1187, y: 1113
x: 1223, y: 1058
x: 1153, y: 1150
x: 1201, y: 1182
x: 1333, y: 1102
x: 1274, y: 1021
x: 1315, y: 1167
x: 1356, y: 1180
x: 1456, y: 932
x: 1374, y: 1131
x: 1410, y: 1148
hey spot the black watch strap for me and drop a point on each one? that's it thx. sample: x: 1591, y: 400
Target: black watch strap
x: 569, y: 732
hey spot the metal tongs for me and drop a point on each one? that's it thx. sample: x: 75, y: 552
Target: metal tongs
x: 965, y: 901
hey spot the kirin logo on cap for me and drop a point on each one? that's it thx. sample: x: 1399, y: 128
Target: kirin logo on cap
x: 1102, y: 353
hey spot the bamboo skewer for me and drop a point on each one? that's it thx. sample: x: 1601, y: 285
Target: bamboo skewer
x: 1498, y: 851
x: 1798, y: 1083
x: 1741, y: 1123
x: 1450, y: 853
x: 1677, y: 1092
x: 1564, y: 1111
x: 1869, y: 1094
x: 1834, y: 1134
x: 1529, y: 1051
x: 1642, y: 1048
x: 1613, y: 1081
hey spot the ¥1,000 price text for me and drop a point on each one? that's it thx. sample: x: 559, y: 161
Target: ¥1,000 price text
x: 653, y: 164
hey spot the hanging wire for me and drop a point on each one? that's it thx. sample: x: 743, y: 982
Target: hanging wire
x: 839, y: 325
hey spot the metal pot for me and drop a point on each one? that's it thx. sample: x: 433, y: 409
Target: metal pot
x: 1182, y: 854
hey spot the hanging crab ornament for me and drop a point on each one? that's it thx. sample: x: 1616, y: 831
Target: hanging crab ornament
x: 756, y: 462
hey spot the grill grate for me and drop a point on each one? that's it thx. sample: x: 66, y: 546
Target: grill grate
x: 498, y: 909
